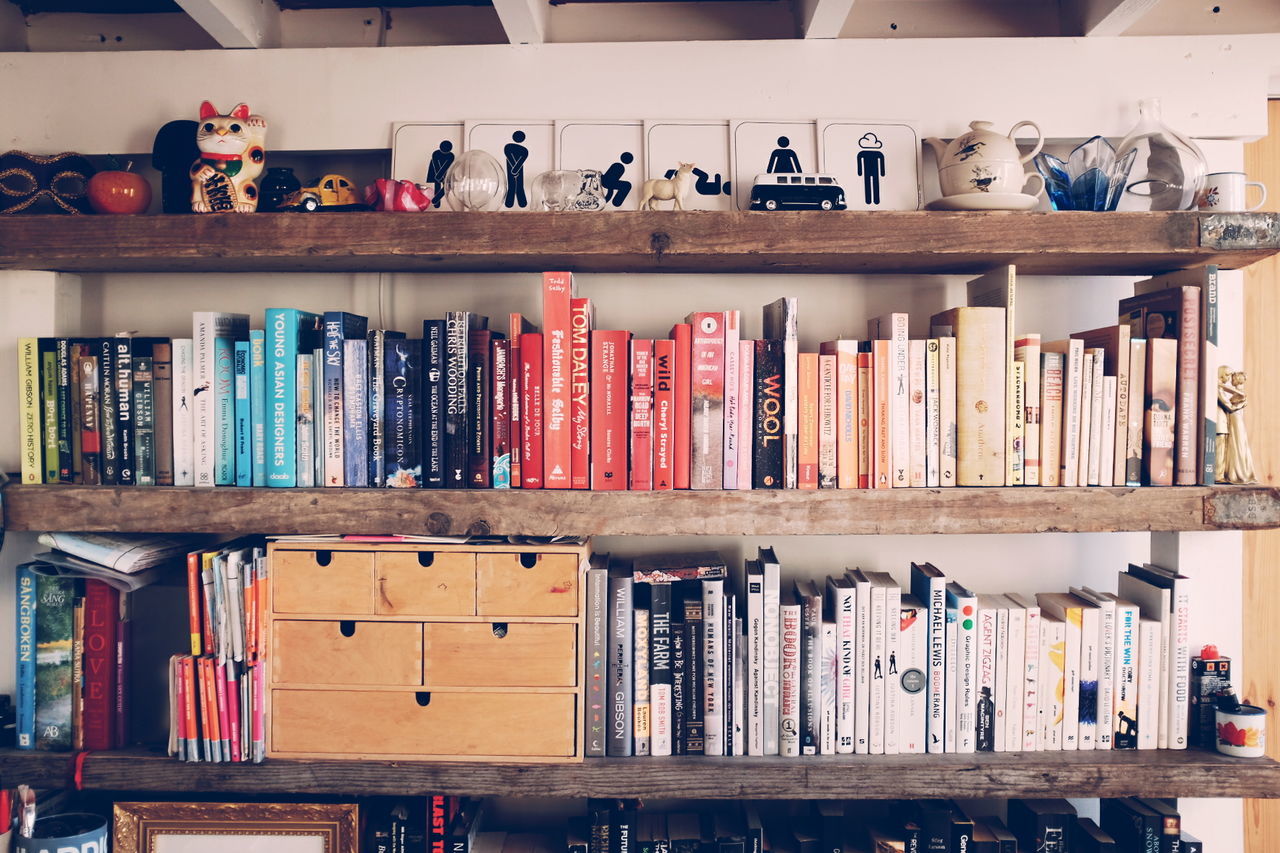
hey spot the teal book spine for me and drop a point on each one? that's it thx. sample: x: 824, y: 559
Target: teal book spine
x: 243, y: 432
x: 26, y: 657
x: 285, y: 333
x: 224, y: 401
x: 257, y: 405
x: 55, y: 604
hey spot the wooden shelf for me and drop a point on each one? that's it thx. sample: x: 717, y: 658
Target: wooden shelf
x: 662, y: 241
x: 1162, y: 773
x: 549, y: 513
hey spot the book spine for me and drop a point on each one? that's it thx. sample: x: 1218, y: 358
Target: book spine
x: 980, y: 396
x: 1107, y: 473
x: 480, y: 409
x: 936, y: 604
x: 828, y: 476
x: 1027, y: 351
x: 1086, y: 421
x: 706, y: 469
x: 663, y: 414
x: 1124, y: 719
x: 899, y: 402
x: 142, y: 387
x: 53, y: 634
x: 1208, y: 409
x: 1052, y: 682
x: 862, y: 669
x: 1051, y: 385
x: 621, y: 638
x: 1074, y: 413
x: 1187, y: 444
x: 334, y: 402
x: 641, y: 415
x: 917, y: 416
x: 846, y: 414
x: 48, y: 407
x: 304, y: 432
x: 1016, y: 447
x: 283, y: 328
x: 531, y: 418
x: 746, y: 411
x: 754, y: 660
x: 732, y: 403
x: 810, y: 674
x: 402, y: 383
x: 500, y: 396
x: 695, y: 722
x: 844, y: 601
x: 257, y: 405
x: 932, y: 415
x: 597, y: 656
x: 767, y: 456
x: 680, y: 688
x: 1106, y: 677
x: 29, y: 411
x: 456, y: 400
x: 866, y: 399
x: 660, y: 673
x: 714, y: 672
x: 640, y: 721
x: 1071, y: 679
x: 967, y: 676
x: 892, y: 656
x: 772, y: 656
x: 107, y: 415
x: 557, y: 433
x: 985, y: 719
x: 948, y: 434
x: 1135, y: 459
x: 682, y: 423
x: 86, y: 444
x: 65, y: 410
x: 609, y: 369
x: 1159, y: 458
x: 516, y: 413
x: 881, y: 415
x: 580, y: 323
x: 827, y: 672
x: 183, y: 411
x: 1096, y: 426
x: 1012, y: 674
x: 25, y: 624
x: 912, y: 695
x: 789, y: 706
x: 242, y: 459
x: 101, y: 612
x: 807, y: 440
x: 355, y: 380
x: 1031, y: 682
x: 1148, y: 683
x: 1180, y: 667
x: 161, y: 407
x: 224, y: 411
x: 122, y: 399
x: 877, y: 655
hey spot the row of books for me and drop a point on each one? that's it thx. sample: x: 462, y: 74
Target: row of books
x: 438, y: 823
x: 217, y: 694
x: 320, y: 399
x: 692, y: 663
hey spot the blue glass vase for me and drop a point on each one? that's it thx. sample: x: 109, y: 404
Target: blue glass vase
x: 1090, y: 179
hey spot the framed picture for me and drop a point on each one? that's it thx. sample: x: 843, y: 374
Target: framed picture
x: 524, y: 148
x: 243, y: 827
x: 760, y: 147
x: 614, y: 148
x: 877, y: 162
x: 705, y: 144
x: 422, y: 151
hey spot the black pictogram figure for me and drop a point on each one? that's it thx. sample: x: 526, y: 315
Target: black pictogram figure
x: 616, y: 190
x: 783, y: 159
x: 516, y: 154
x: 441, y: 160
x: 871, y: 166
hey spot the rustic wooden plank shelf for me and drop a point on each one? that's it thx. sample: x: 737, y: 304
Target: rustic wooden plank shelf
x: 641, y: 242
x: 1158, y: 773
x: 549, y: 513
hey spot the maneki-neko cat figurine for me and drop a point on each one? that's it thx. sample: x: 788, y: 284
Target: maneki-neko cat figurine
x: 231, y: 159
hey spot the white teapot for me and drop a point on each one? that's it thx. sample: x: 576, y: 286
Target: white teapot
x: 983, y: 161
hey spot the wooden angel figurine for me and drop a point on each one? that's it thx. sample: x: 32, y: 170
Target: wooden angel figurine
x: 1234, y: 460
x: 231, y: 159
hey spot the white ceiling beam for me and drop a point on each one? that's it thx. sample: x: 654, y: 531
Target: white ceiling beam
x: 237, y: 23
x: 1112, y: 17
x: 822, y: 19
x: 525, y: 21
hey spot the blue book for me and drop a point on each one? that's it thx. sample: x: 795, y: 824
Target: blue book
x: 243, y: 433
x: 403, y: 368
x: 355, y: 434
x: 257, y: 405
x: 339, y: 326
x: 289, y: 332
x: 224, y: 402
x: 433, y: 405
x: 26, y: 682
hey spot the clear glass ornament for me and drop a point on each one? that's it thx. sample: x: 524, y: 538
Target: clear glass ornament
x: 476, y: 181
x: 1167, y: 169
x: 567, y: 189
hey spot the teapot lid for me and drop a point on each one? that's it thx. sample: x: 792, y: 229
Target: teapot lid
x: 979, y: 125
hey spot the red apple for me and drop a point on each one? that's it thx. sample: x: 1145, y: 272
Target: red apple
x: 119, y: 191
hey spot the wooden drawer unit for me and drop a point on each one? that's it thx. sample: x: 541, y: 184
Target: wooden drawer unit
x: 451, y: 652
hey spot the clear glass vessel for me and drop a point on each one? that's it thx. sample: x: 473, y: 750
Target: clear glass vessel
x: 1167, y: 169
x: 476, y: 181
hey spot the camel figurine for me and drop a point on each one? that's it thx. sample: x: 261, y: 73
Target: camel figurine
x: 667, y: 189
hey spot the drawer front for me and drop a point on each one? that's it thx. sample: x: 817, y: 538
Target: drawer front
x: 527, y: 584
x: 475, y: 655
x: 386, y: 723
x: 426, y: 583
x: 322, y: 582
x: 387, y: 653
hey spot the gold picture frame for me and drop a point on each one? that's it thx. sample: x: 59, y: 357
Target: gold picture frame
x: 192, y: 827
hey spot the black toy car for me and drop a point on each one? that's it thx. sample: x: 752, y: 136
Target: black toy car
x: 791, y: 191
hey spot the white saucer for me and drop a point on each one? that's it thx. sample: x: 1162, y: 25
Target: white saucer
x: 985, y: 201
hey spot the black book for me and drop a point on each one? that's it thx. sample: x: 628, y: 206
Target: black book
x: 753, y: 828
x: 109, y: 415
x: 621, y: 658
x: 65, y: 410
x: 599, y: 813
x: 727, y: 830
x: 961, y: 829
x: 480, y: 409
x: 144, y: 414
x: 694, y: 721
x: 1131, y: 824
x: 1042, y: 825
x: 660, y: 671
x: 984, y: 840
x: 622, y: 827
x: 1170, y: 824
x: 1191, y: 844
x: 829, y: 821
x: 121, y: 394
x: 433, y: 403
x: 1006, y: 841
x: 458, y: 326
x: 731, y: 640
x: 935, y: 826
x: 577, y: 835
x: 767, y: 421
x: 462, y: 832
x: 377, y: 392
x: 1088, y: 837
x: 685, y: 832
x: 402, y: 371
x: 679, y: 685
x: 810, y: 666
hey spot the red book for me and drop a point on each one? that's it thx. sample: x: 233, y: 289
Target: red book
x: 501, y: 385
x: 682, y: 336
x: 209, y: 705
x: 101, y: 615
x: 233, y: 712
x: 664, y: 400
x: 807, y: 454
x: 557, y: 435
x: 642, y: 415
x: 609, y: 373
x: 581, y: 319
x: 518, y: 326
x: 195, y: 600
x: 706, y: 461
x: 531, y: 411
x: 123, y: 668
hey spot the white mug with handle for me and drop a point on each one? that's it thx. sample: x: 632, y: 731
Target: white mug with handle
x: 1224, y: 192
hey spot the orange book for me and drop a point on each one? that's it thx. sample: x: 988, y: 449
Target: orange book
x: 846, y: 354
x: 250, y: 614
x: 581, y: 320
x: 209, y: 706
x: 557, y: 432
x: 807, y: 442
x: 881, y: 455
x: 190, y: 694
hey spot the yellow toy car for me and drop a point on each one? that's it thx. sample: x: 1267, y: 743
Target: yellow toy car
x: 332, y: 191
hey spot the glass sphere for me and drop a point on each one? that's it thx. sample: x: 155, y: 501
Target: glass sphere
x: 1168, y: 167
x: 476, y: 181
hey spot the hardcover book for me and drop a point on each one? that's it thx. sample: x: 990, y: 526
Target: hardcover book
x: 642, y: 455
x: 581, y: 323
x: 557, y: 434
x: 706, y: 465
x: 609, y: 424
x: 289, y: 332
x: 339, y: 326
x: 682, y: 424
x: 664, y: 415
x: 403, y: 417
x: 980, y: 393
x: 457, y: 410
x: 531, y: 412
x: 1159, y: 455
x: 767, y: 462
x: 480, y: 408
x: 929, y: 585
x: 620, y: 674
x: 780, y: 322
x: 500, y: 396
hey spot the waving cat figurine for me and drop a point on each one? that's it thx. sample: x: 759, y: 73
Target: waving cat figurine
x: 231, y: 159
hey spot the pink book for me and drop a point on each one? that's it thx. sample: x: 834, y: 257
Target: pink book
x: 581, y: 319
x: 224, y: 719
x: 259, y: 714
x: 664, y: 405
x: 746, y: 384
x: 706, y: 467
x: 557, y: 435
x: 642, y: 414
x: 732, y: 404
x: 233, y: 712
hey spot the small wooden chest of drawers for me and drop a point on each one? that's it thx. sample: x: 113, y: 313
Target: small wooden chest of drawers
x: 458, y: 652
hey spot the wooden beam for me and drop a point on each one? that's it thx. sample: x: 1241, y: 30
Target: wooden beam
x: 524, y: 20
x: 822, y: 19
x: 1112, y: 17
x: 237, y: 23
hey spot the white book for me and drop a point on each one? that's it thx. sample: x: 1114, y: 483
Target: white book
x: 317, y: 416
x: 1090, y: 673
x: 1086, y: 419
x: 1029, y: 732
x: 1154, y: 603
x: 641, y: 719
x: 917, y: 413
x: 893, y: 328
x: 1053, y: 656
x: 659, y: 719
x: 772, y: 647
x: 206, y: 327
x: 1017, y: 468
x: 861, y: 662
x: 841, y: 599
x: 1097, y: 428
x: 739, y: 687
x: 1067, y: 608
x: 1178, y: 686
x: 876, y: 654
x: 1001, y: 698
x: 183, y: 408
x: 952, y: 685
x: 1027, y: 350
x: 828, y: 421
x: 913, y: 692
x: 1072, y: 410
x: 1106, y: 671
x: 1150, y: 657
x: 828, y: 674
x: 985, y: 708
x: 932, y: 415
x: 754, y: 649
x: 892, y: 611
x: 1124, y: 715
x: 305, y: 451
x: 732, y: 398
x: 746, y: 413
x: 1014, y: 669
x: 948, y: 437
x: 966, y: 605
x: 997, y: 289
x: 713, y: 626
x: 930, y: 586
x: 789, y: 695
x: 1106, y: 474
